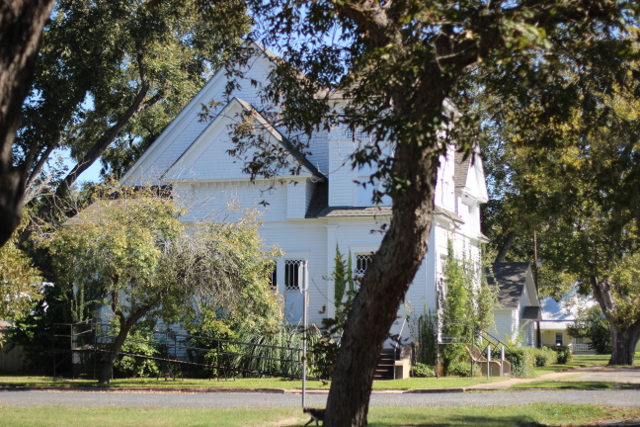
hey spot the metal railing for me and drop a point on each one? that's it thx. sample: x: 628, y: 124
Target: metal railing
x: 217, y: 356
x: 581, y: 348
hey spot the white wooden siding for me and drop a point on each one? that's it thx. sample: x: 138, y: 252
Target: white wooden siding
x: 504, y: 330
x: 342, y: 190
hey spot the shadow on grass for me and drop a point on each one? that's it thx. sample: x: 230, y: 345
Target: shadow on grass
x: 466, y: 420
x: 516, y: 421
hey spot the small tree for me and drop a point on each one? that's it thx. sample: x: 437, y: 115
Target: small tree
x: 343, y: 280
x: 19, y: 282
x: 592, y: 324
x: 146, y: 263
x: 339, y: 279
x: 457, y: 307
x: 467, y: 305
x: 325, y: 342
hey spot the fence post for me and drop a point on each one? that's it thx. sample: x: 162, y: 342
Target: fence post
x: 95, y: 344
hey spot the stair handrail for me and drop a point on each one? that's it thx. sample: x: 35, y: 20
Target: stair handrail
x: 491, y: 340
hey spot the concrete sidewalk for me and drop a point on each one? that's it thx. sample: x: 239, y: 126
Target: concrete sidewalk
x: 505, y: 385
x: 590, y: 373
x: 593, y: 373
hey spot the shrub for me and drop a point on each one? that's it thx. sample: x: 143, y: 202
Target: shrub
x: 563, y: 352
x: 420, y: 370
x: 463, y: 369
x: 544, y: 356
x: 522, y: 361
x: 142, y: 343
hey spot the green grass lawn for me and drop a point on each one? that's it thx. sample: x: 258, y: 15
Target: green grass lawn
x: 567, y: 383
x: 251, y: 383
x: 580, y: 360
x: 245, y: 383
x: 536, y: 415
x: 597, y: 359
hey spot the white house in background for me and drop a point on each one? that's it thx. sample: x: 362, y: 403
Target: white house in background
x: 557, y: 315
x: 310, y: 214
x: 518, y: 305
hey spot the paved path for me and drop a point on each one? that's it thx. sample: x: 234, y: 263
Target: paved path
x: 600, y: 373
x: 592, y: 373
x: 622, y: 398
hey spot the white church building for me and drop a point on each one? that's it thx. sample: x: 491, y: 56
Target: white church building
x: 310, y: 214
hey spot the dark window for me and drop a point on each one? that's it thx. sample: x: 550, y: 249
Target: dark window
x: 362, y: 264
x: 559, y: 340
x: 292, y: 274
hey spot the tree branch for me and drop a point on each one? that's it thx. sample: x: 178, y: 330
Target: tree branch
x: 137, y: 106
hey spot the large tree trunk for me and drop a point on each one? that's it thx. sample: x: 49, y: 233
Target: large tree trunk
x: 623, y: 338
x: 508, y: 242
x: 623, y: 344
x: 383, y: 289
x: 21, y: 25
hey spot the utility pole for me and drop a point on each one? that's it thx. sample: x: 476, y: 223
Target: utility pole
x: 535, y: 280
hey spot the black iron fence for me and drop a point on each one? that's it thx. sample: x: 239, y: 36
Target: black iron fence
x: 85, y: 344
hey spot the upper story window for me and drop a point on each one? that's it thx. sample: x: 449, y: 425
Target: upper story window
x: 359, y: 134
x: 293, y: 274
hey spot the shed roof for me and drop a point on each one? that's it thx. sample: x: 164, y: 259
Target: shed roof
x: 319, y: 208
x: 531, y: 313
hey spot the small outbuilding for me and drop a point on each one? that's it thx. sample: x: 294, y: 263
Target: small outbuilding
x: 518, y: 306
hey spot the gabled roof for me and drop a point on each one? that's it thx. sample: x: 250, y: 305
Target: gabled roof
x: 461, y: 169
x: 187, y: 126
x: 226, y: 116
x: 511, y: 279
x: 283, y: 140
x: 474, y: 185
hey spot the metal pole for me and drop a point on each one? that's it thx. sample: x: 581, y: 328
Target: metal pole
x: 437, y: 358
x: 304, y: 338
x: 488, y: 362
x: 95, y: 345
x: 72, y: 338
x: 471, y: 353
x: 502, y: 361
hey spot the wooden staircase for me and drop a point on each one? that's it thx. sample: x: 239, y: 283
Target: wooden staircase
x: 385, y: 370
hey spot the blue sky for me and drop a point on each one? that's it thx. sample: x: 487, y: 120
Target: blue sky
x: 90, y: 175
